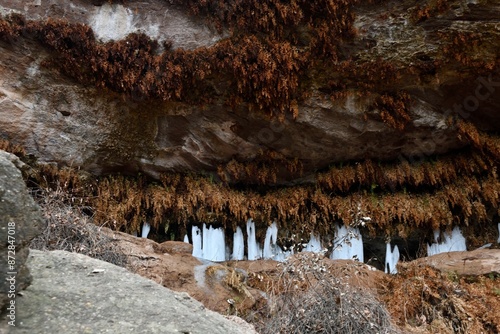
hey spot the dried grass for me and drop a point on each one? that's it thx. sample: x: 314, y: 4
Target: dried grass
x: 422, y: 297
x: 68, y: 228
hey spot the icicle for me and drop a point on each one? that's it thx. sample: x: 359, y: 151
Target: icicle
x: 186, y: 238
x: 348, y: 244
x: 498, y: 233
x: 254, y: 251
x: 270, y: 247
x: 196, y: 236
x: 451, y: 243
x: 218, y: 239
x: 281, y: 255
x: 391, y: 259
x: 145, y: 230
x: 238, y: 245
x: 314, y: 245
x: 214, y: 244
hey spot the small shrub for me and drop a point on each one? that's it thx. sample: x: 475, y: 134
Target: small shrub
x: 309, y: 299
x: 68, y: 228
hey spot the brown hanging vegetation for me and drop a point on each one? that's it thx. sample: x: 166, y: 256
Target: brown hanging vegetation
x: 263, y: 72
x: 430, y: 8
x: 124, y: 203
x: 327, y: 21
x: 476, y: 52
x: 463, y: 189
x: 262, y: 170
x: 457, y: 189
x: 276, y: 52
x: 396, y: 177
x: 487, y: 145
x: 394, y: 109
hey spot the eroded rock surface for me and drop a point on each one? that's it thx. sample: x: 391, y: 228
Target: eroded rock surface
x: 476, y: 262
x: 73, y: 293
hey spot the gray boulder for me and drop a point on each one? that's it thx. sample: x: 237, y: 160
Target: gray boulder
x: 73, y: 293
x: 20, y: 221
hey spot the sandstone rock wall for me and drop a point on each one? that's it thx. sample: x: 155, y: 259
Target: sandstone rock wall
x: 59, y: 120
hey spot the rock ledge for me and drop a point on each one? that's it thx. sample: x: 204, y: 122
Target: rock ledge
x: 73, y: 293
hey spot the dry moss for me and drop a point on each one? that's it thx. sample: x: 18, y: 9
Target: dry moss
x: 420, y: 296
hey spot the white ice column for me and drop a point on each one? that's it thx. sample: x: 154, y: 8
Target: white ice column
x: 270, y: 247
x: 348, y: 244
x: 391, y: 259
x: 254, y: 251
x: 145, y: 230
x: 196, y: 236
x: 214, y: 244
x: 314, y: 245
x: 454, y: 242
x: 238, y: 245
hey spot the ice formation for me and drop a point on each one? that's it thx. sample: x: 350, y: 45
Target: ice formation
x: 238, y: 245
x: 348, y: 244
x: 451, y: 243
x: 145, y: 230
x: 391, y: 259
x: 498, y: 233
x: 254, y: 251
x: 196, y: 236
x: 209, y: 244
x: 186, y: 238
x: 314, y: 245
x: 214, y: 244
x: 270, y: 246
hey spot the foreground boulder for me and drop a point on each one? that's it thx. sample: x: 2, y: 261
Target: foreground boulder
x: 20, y: 222
x: 73, y: 293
